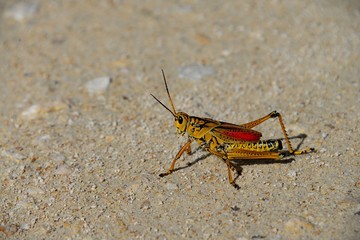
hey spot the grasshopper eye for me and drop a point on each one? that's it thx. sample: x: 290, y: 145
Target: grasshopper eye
x: 180, y: 120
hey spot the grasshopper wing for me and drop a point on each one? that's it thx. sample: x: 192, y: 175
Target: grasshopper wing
x: 229, y: 132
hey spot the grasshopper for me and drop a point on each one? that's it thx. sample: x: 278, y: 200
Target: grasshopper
x: 228, y: 141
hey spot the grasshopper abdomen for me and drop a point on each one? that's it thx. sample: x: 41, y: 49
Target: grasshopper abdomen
x: 260, y: 146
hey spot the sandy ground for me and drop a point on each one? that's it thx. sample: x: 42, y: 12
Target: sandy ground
x: 80, y: 160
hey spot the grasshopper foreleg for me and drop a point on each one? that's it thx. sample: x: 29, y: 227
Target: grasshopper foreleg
x: 184, y: 148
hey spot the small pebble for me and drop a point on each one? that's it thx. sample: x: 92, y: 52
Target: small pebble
x: 42, y: 139
x: 171, y: 186
x: 32, y: 112
x: 98, y: 85
x: 324, y: 135
x: 58, y: 157
x: 298, y: 226
x: 195, y: 71
x: 22, y: 10
x: 145, y: 205
x: 62, y: 170
x: 36, y: 111
x: 323, y: 150
x: 24, y: 226
x: 337, y: 154
x: 292, y: 174
x: 12, y: 154
x: 34, y: 191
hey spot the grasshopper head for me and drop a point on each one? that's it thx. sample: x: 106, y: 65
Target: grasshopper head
x: 181, y: 120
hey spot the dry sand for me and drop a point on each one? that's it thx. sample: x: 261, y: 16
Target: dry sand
x: 80, y: 157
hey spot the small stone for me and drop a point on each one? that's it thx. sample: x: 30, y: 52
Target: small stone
x: 12, y: 154
x: 171, y: 186
x: 292, y: 174
x: 22, y: 10
x: 195, y: 71
x: 298, y: 226
x: 32, y: 112
x: 98, y: 85
x: 34, y: 191
x: 58, y: 157
x: 145, y: 205
x: 324, y: 135
x: 62, y: 170
x: 225, y: 52
x: 41, y: 139
x: 323, y: 150
x: 337, y: 154
x: 133, y: 188
x: 24, y: 226
x: 36, y: 111
x: 109, y: 138
x: 202, y: 38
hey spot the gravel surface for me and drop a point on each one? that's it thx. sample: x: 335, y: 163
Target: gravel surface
x: 82, y: 142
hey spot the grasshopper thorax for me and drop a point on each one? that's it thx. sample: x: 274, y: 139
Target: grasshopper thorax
x: 181, y: 120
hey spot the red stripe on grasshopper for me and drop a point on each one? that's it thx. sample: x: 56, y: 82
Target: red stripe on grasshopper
x: 246, y: 136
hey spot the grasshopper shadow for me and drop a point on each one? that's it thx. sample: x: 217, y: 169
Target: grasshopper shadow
x: 238, y: 163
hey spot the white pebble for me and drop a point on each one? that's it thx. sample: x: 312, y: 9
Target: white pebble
x: 42, y: 139
x: 324, y: 135
x: 98, y: 85
x: 323, y: 150
x: 22, y: 10
x: 34, y: 191
x: 32, y: 112
x: 337, y: 154
x: 292, y: 174
x: 24, y: 226
x: 58, y: 157
x: 12, y: 154
x: 195, y: 71
x: 62, y: 170
x: 171, y: 186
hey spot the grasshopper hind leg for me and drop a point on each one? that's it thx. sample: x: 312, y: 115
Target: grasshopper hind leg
x: 297, y: 152
x: 275, y: 114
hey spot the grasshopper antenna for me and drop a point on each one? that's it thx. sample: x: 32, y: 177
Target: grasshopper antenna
x: 163, y: 105
x: 168, y: 93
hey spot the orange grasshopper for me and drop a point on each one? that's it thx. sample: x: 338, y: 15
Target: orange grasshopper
x: 228, y: 141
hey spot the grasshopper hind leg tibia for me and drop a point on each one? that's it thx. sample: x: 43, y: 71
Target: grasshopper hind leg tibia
x: 298, y: 152
x: 276, y: 114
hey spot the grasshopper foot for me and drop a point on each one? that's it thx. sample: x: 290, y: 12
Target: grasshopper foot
x: 235, y: 185
x: 165, y: 174
x: 304, y: 151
